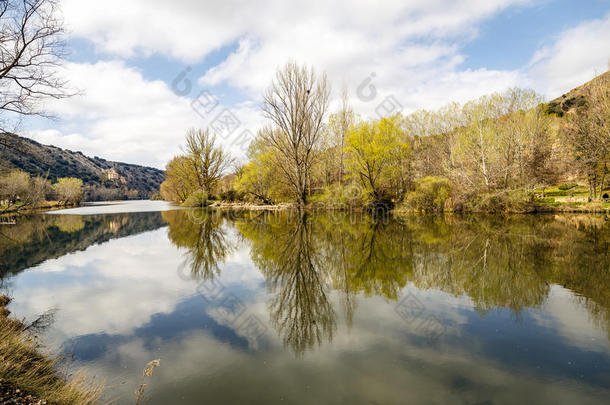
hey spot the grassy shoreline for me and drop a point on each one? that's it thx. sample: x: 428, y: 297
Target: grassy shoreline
x: 595, y: 207
x: 47, y: 205
x: 583, y: 208
x: 28, y: 375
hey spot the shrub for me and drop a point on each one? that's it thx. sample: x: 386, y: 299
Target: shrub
x: 567, y: 186
x: 495, y: 202
x: 69, y: 190
x: 231, y: 195
x: 198, y: 198
x: 14, y: 185
x: 430, y: 194
x: 343, y: 196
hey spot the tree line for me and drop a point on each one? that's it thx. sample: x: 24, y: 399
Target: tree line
x: 19, y: 191
x: 501, y: 150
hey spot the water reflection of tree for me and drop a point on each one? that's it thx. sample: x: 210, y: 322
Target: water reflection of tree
x: 205, y: 238
x: 285, y: 252
x: 36, y: 238
x: 582, y: 262
x: 496, y: 261
x: 370, y: 255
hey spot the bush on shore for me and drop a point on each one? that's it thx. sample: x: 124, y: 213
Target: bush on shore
x: 339, y: 196
x: 430, y: 195
x: 495, y: 202
x: 198, y: 198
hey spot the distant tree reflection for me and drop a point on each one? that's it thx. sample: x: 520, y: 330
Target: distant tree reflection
x: 202, y: 234
x: 285, y: 252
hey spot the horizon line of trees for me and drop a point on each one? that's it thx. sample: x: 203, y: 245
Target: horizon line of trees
x: 494, y: 150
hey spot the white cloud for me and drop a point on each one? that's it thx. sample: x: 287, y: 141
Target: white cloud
x: 407, y: 44
x: 190, y: 29
x: 575, y: 57
x: 122, y: 116
x: 133, y: 278
x: 413, y: 48
x: 410, y: 46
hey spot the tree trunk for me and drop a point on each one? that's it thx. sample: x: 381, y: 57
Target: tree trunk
x: 603, y: 180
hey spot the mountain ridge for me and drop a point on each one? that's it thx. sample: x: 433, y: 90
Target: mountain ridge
x: 102, y: 178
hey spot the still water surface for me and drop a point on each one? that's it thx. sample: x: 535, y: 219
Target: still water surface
x: 327, y: 308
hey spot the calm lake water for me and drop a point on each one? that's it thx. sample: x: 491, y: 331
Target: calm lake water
x: 327, y: 308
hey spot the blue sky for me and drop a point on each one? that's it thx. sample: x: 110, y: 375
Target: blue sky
x: 509, y: 39
x: 125, y: 58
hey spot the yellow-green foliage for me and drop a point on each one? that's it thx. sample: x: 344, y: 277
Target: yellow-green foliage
x: 430, y: 194
x: 376, y: 151
x: 339, y: 196
x: 197, y: 198
x: 69, y: 190
x: 180, y: 180
x: 260, y: 178
x: 18, y: 190
x: 201, y: 167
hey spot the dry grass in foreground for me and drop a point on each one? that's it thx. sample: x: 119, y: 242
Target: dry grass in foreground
x: 24, y: 367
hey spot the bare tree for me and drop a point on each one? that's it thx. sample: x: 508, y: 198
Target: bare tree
x: 339, y: 124
x: 296, y: 102
x: 31, y: 50
x: 208, y: 161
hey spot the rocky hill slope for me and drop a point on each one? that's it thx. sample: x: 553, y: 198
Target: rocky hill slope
x: 103, y: 179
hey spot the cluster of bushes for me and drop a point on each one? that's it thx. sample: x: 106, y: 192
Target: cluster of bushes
x: 342, y: 196
x: 495, y: 202
x: 231, y: 195
x: 18, y: 190
x: 430, y: 194
x: 102, y: 193
x: 198, y: 198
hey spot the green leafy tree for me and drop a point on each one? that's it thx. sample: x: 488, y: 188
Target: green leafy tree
x: 259, y: 177
x: 68, y: 190
x: 375, y: 151
x: 180, y: 180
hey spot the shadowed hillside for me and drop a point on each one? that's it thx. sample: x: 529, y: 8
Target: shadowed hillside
x: 574, y: 99
x: 103, y: 179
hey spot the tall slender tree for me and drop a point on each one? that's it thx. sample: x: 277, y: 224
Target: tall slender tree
x: 296, y: 103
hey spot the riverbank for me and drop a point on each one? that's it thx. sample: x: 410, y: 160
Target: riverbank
x: 47, y: 205
x: 595, y: 207
x: 29, y: 376
x: 554, y: 205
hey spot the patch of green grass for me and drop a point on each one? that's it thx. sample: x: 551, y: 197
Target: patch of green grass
x: 563, y: 191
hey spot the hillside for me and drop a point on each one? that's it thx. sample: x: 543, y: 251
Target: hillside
x: 573, y: 99
x: 103, y: 179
